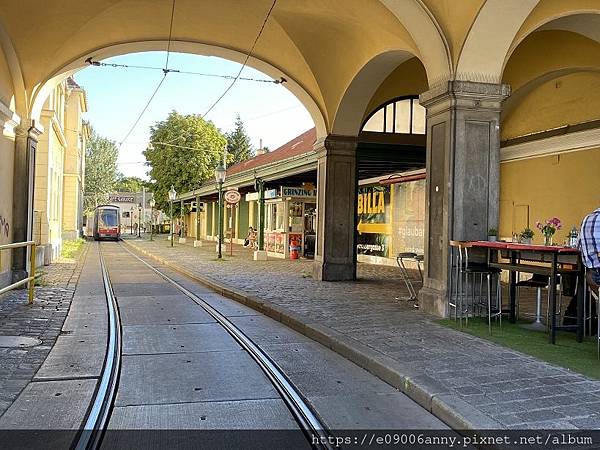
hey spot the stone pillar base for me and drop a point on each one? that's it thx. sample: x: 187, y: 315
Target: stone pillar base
x: 197, y: 243
x: 260, y: 255
x: 433, y: 301
x: 329, y: 271
x: 182, y: 240
x: 18, y: 275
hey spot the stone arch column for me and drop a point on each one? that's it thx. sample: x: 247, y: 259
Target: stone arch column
x: 463, y: 171
x: 337, y: 181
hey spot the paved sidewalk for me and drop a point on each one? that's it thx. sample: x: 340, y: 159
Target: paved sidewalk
x: 42, y: 321
x: 466, y: 381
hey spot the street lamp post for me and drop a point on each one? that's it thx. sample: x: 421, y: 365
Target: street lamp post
x: 152, y: 203
x: 140, y: 220
x: 220, y: 173
x: 172, y: 196
x: 131, y: 220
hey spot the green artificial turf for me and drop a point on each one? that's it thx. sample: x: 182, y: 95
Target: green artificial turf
x: 567, y: 352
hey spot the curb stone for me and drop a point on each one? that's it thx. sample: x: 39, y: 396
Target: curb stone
x: 425, y: 391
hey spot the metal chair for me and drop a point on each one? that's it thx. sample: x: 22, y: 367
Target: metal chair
x: 400, y: 260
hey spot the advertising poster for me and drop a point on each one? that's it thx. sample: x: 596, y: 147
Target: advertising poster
x: 409, y: 217
x: 374, y: 214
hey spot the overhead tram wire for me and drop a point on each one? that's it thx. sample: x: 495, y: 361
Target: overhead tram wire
x: 91, y: 62
x: 162, y: 80
x: 170, y: 37
x: 248, y: 55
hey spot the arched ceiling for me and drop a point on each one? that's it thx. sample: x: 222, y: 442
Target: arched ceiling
x: 335, y: 53
x: 587, y: 25
x: 552, y: 44
x: 318, y: 46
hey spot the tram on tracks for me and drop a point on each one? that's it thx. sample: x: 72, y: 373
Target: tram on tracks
x: 107, y: 222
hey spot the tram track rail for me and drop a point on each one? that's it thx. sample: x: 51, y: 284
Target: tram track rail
x: 308, y: 421
x: 98, y: 416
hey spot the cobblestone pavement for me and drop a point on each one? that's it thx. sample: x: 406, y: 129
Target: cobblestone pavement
x: 43, y: 320
x: 515, y: 390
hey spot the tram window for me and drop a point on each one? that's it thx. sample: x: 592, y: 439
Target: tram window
x: 108, y: 218
x: 375, y: 123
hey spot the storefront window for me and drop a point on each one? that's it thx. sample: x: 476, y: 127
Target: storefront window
x: 275, y: 216
x: 295, y: 217
x: 310, y: 218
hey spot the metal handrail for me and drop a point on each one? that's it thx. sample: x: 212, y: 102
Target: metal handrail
x: 31, y: 278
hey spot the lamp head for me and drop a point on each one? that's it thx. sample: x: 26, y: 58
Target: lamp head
x: 220, y: 173
x: 172, y: 193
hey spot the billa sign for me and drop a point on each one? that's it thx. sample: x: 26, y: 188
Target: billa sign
x: 373, y: 210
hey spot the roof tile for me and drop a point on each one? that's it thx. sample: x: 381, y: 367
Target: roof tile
x: 297, y: 146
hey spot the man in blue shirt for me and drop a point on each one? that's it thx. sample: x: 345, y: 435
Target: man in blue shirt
x: 589, y: 244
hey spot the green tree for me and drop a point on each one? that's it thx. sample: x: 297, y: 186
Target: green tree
x: 239, y: 145
x: 184, y: 153
x: 130, y: 184
x: 100, y: 170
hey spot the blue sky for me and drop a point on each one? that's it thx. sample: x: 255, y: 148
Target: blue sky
x: 116, y: 96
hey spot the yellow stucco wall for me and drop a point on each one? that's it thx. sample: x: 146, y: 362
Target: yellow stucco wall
x: 566, y: 186
x: 73, y: 167
x: 566, y: 100
x: 6, y: 192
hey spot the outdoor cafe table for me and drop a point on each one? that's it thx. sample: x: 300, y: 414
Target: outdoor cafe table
x: 555, y: 255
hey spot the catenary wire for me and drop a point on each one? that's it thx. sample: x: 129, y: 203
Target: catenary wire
x: 248, y: 55
x: 165, y: 73
x: 170, y: 36
x: 182, y: 72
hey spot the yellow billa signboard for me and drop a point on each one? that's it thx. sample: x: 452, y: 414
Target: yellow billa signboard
x: 391, y: 219
x: 373, y: 220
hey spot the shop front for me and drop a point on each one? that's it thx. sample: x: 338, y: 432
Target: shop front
x: 290, y: 220
x: 390, y: 218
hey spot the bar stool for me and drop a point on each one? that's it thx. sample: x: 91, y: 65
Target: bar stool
x: 456, y: 279
x: 539, y: 282
x: 461, y: 270
x: 418, y: 259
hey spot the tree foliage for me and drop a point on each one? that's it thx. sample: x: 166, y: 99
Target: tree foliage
x: 130, y: 184
x: 185, y: 168
x: 239, y: 145
x: 100, y: 170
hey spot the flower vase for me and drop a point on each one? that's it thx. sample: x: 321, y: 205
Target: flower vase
x: 548, y: 240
